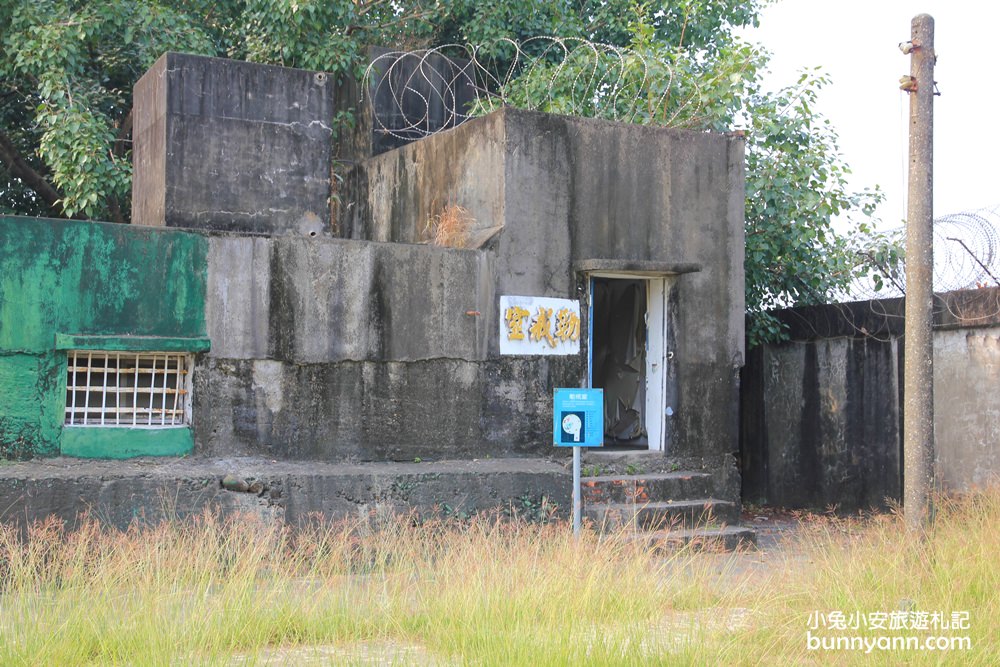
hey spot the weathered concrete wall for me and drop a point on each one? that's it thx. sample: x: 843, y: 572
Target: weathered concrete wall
x: 71, y: 277
x: 967, y: 407
x: 822, y: 414
x: 353, y: 350
x: 821, y: 423
x: 146, y: 491
x: 567, y: 190
x: 394, y: 197
x: 610, y: 191
x: 376, y: 411
x: 324, y: 300
x: 228, y: 145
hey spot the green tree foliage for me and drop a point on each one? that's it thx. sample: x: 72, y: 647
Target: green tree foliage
x: 796, y: 180
x: 67, y: 68
x: 796, y: 185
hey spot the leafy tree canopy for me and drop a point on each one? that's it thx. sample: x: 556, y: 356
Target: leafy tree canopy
x: 67, y: 68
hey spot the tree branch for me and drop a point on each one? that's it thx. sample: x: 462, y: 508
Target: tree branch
x: 123, y: 131
x: 365, y: 7
x: 402, y: 19
x: 118, y: 151
x: 19, y: 168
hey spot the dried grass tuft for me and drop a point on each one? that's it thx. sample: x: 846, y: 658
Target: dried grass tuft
x: 450, y: 228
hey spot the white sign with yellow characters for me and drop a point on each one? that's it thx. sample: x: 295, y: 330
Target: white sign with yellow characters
x: 539, y: 325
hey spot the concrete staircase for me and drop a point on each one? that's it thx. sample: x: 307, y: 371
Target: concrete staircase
x: 665, y: 502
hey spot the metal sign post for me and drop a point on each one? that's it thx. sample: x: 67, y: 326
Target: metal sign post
x: 578, y: 421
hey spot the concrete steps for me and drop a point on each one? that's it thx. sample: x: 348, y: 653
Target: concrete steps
x: 645, y: 488
x: 725, y: 538
x: 663, y: 515
x: 647, y: 495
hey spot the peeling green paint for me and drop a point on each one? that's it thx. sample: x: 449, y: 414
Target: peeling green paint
x: 123, y: 443
x: 132, y: 343
x: 31, y: 404
x: 97, y: 278
x: 132, y: 288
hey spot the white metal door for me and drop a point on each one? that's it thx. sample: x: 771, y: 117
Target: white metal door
x: 656, y: 371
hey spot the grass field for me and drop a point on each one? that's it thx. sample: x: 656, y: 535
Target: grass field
x: 487, y: 591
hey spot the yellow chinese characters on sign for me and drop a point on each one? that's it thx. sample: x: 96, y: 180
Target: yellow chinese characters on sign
x: 567, y: 325
x: 539, y: 325
x: 515, y: 317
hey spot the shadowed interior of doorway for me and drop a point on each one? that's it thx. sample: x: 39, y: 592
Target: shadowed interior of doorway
x: 619, y: 358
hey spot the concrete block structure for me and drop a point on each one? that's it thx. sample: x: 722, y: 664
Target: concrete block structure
x: 341, y: 332
x: 223, y: 144
x: 822, y: 412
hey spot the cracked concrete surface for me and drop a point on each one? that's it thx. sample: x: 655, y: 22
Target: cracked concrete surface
x: 154, y: 489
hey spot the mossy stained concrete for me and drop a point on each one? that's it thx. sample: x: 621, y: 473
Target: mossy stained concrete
x: 155, y: 489
x: 80, y: 279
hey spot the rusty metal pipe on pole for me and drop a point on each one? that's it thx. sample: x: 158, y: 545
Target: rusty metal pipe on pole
x: 918, y: 368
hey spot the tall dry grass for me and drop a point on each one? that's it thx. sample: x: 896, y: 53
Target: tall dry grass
x: 491, y: 590
x: 484, y: 591
x: 875, y: 565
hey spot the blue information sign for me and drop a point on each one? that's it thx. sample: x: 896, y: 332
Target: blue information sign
x: 578, y: 418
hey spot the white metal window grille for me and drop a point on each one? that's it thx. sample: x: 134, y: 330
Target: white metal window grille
x: 137, y: 389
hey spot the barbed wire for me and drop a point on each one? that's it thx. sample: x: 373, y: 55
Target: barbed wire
x: 414, y: 94
x: 966, y: 255
x: 418, y: 93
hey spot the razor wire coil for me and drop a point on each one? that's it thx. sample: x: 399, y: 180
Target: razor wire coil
x: 966, y: 255
x: 425, y: 91
x: 417, y: 93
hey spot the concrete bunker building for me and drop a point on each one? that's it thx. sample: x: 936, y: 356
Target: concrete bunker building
x: 277, y: 293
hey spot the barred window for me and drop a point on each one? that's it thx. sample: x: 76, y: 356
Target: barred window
x: 136, y: 389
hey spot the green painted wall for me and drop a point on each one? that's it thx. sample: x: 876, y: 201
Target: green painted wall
x: 121, y: 443
x: 32, y: 390
x: 96, y: 279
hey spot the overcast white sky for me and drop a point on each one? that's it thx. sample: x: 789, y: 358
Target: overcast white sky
x: 855, y: 41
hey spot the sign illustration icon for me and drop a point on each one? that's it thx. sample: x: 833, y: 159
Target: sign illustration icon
x: 573, y: 425
x: 578, y: 417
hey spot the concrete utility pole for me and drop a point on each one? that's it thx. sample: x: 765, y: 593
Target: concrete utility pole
x: 918, y: 369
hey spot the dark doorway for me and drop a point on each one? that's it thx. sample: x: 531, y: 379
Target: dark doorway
x: 618, y: 358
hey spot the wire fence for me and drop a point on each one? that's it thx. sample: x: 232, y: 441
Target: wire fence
x: 966, y: 256
x: 414, y: 94
x: 418, y: 93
